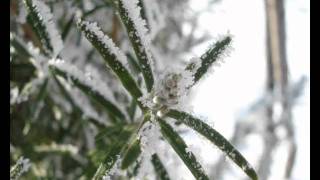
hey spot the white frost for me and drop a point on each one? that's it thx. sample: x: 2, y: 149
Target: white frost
x: 170, y: 91
x: 114, y: 170
x: 94, y: 83
x: 17, y: 97
x: 149, y: 138
x: 104, y: 39
x: 87, y: 109
x: 133, y: 11
x: 14, y: 94
x: 22, y: 165
x: 46, y: 18
x: 37, y: 59
x: 53, y: 147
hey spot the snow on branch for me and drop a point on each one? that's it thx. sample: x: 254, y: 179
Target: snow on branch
x: 22, y: 166
x: 114, y: 58
x: 138, y: 35
x: 213, y: 56
x: 42, y: 20
x: 133, y: 11
x: 93, y: 28
x: 90, y: 81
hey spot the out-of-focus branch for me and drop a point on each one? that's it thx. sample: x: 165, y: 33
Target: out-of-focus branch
x: 277, y: 87
x: 248, y: 123
x: 287, y: 119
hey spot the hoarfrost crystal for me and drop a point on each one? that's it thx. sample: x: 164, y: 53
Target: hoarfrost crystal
x: 47, y: 19
x: 170, y: 92
x: 104, y: 39
x: 133, y: 11
x: 149, y: 136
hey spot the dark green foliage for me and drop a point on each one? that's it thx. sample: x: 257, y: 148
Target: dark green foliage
x: 131, y: 154
x: 138, y: 45
x: 160, y: 170
x: 40, y: 29
x: 113, y: 154
x: 216, y: 138
x: 180, y: 148
x: 209, y: 57
x: 112, y: 61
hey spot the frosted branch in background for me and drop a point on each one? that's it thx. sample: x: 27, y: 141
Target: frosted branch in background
x: 21, y: 166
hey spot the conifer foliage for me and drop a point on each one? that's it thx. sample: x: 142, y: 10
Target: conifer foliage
x: 105, y: 113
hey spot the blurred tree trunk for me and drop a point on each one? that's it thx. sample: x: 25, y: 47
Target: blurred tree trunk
x: 276, y: 47
x: 277, y: 87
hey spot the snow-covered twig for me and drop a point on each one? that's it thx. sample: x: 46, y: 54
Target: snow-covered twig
x: 21, y: 166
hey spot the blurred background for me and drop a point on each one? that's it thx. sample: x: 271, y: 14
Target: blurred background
x: 259, y: 98
x: 236, y: 92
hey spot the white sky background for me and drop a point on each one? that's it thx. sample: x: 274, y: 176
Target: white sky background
x: 231, y: 88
